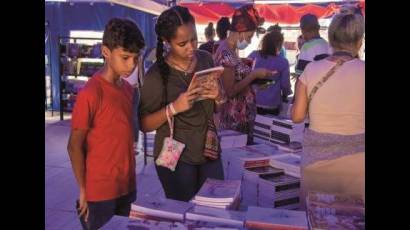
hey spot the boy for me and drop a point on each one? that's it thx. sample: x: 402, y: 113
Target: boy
x: 101, y: 140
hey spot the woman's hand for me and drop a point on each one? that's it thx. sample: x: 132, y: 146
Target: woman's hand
x: 262, y: 73
x: 185, y: 100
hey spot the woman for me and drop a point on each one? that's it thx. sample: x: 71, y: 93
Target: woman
x: 166, y: 87
x: 209, y: 35
x: 333, y: 159
x: 239, y: 112
x: 269, y: 98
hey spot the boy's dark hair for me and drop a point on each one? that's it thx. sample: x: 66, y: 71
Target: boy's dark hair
x: 275, y: 27
x: 209, y: 30
x: 309, y: 23
x: 123, y: 33
x: 271, y: 43
x: 165, y: 28
x: 222, y: 28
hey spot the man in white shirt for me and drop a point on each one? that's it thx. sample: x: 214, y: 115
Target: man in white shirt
x: 314, y: 48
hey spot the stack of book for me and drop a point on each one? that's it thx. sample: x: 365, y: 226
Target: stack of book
x: 263, y: 148
x: 266, y: 218
x: 288, y: 162
x: 335, y: 211
x: 223, y: 194
x: 292, y: 147
x: 277, y: 130
x: 228, y: 156
x: 123, y: 222
x: 250, y: 183
x: 262, y: 128
x: 284, y: 131
x: 278, y: 191
x: 161, y: 209
x: 232, y: 139
x: 216, y: 216
x: 241, y: 158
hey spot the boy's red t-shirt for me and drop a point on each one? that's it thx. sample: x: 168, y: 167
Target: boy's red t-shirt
x: 105, y: 110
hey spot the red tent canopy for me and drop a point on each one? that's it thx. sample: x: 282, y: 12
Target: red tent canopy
x: 276, y: 13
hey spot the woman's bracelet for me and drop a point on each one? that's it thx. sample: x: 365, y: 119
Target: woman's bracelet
x: 171, y: 107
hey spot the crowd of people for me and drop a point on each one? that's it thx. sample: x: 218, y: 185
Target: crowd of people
x: 107, y: 114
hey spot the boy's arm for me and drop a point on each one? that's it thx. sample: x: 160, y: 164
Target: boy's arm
x: 77, y: 152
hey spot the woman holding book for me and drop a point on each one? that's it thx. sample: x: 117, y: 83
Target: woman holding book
x: 168, y: 96
x: 240, y: 110
x: 331, y: 91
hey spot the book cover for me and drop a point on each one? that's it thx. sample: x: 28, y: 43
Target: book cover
x: 318, y: 221
x: 335, y: 211
x: 335, y: 199
x: 291, y: 160
x: 281, y: 219
x: 208, y: 78
x: 218, y: 190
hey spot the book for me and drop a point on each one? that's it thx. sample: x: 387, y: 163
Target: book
x: 263, y: 149
x: 122, y: 222
x: 162, y: 208
x: 208, y: 78
x: 335, y: 211
x: 232, y: 139
x: 237, y: 159
x: 214, y: 190
x: 215, y: 215
x: 292, y: 147
x: 335, y: 199
x: 288, y: 162
x: 280, y: 219
x: 262, y: 170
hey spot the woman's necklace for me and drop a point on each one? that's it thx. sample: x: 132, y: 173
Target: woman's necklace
x: 186, y: 70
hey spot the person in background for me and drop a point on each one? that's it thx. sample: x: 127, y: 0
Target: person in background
x: 277, y: 28
x: 239, y: 112
x: 269, y: 100
x: 209, y: 35
x: 314, y: 47
x: 101, y: 140
x: 332, y: 93
x: 222, y: 28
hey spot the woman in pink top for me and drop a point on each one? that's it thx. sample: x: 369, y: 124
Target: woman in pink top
x: 331, y: 92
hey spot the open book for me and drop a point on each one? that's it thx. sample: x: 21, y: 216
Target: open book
x: 208, y: 78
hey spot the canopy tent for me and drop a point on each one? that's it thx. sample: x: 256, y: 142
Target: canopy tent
x: 63, y: 17
x: 148, y: 6
x: 284, y: 12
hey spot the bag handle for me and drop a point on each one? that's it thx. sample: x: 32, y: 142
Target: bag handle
x: 170, y: 121
x: 339, y: 62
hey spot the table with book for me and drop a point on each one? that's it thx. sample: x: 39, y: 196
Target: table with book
x: 261, y: 190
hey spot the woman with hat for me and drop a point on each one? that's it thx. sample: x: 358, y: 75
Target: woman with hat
x: 238, y: 113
